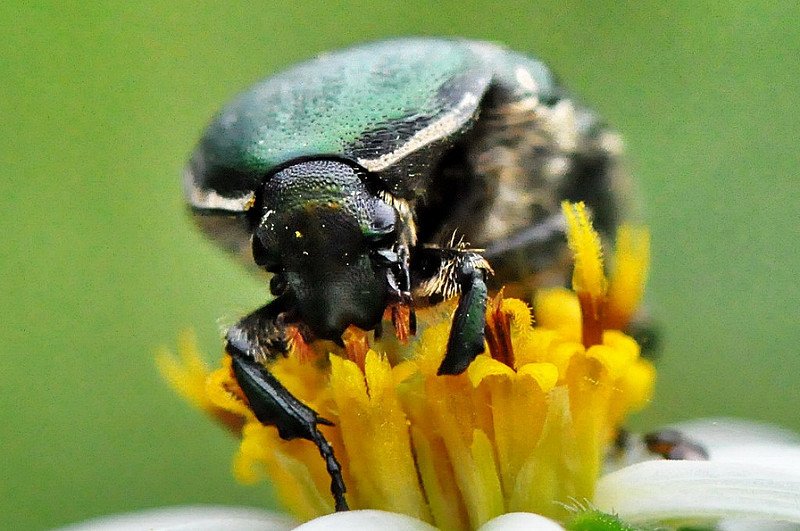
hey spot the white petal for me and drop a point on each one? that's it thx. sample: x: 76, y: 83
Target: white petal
x: 703, y: 490
x: 724, y: 432
x: 520, y: 522
x: 760, y: 525
x: 784, y: 458
x: 199, y: 518
x: 366, y: 520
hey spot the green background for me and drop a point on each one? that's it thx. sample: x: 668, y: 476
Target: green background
x: 101, y: 104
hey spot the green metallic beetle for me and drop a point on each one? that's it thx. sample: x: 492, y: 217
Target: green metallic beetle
x: 348, y: 178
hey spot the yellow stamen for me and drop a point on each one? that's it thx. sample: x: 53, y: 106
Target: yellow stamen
x: 588, y: 277
x: 626, y: 286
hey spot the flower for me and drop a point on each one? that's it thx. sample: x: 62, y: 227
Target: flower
x: 526, y: 429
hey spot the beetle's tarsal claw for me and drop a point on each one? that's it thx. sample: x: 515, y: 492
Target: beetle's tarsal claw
x: 334, y: 470
x: 324, y: 421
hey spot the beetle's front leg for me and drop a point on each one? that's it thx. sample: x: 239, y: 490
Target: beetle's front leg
x: 260, y: 337
x: 443, y: 273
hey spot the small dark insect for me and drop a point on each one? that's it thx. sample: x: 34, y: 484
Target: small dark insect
x: 348, y: 177
x: 668, y: 443
x: 672, y: 444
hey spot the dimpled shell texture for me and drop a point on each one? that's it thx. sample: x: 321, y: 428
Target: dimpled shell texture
x: 359, y: 104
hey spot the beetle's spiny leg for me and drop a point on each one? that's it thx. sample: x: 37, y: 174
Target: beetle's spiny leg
x: 262, y: 335
x: 269, y: 400
x: 444, y: 279
x: 444, y: 273
x: 466, y: 339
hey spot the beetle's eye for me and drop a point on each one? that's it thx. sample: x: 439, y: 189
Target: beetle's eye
x: 382, y: 224
x: 381, y: 237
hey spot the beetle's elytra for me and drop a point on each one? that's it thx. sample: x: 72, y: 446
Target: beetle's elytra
x: 347, y: 176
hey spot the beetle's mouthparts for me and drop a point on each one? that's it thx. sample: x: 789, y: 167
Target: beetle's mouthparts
x: 404, y: 320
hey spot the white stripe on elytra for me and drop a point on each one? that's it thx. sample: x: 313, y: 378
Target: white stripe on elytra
x: 210, y: 199
x: 433, y: 132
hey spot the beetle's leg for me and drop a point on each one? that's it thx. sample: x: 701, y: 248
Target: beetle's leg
x: 466, y: 335
x: 261, y: 336
x: 444, y: 273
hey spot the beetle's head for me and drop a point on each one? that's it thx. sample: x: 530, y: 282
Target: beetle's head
x: 330, y: 242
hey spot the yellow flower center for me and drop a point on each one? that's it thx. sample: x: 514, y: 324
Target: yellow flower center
x: 525, y: 428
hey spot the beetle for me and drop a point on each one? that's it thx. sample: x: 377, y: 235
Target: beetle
x: 348, y: 177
